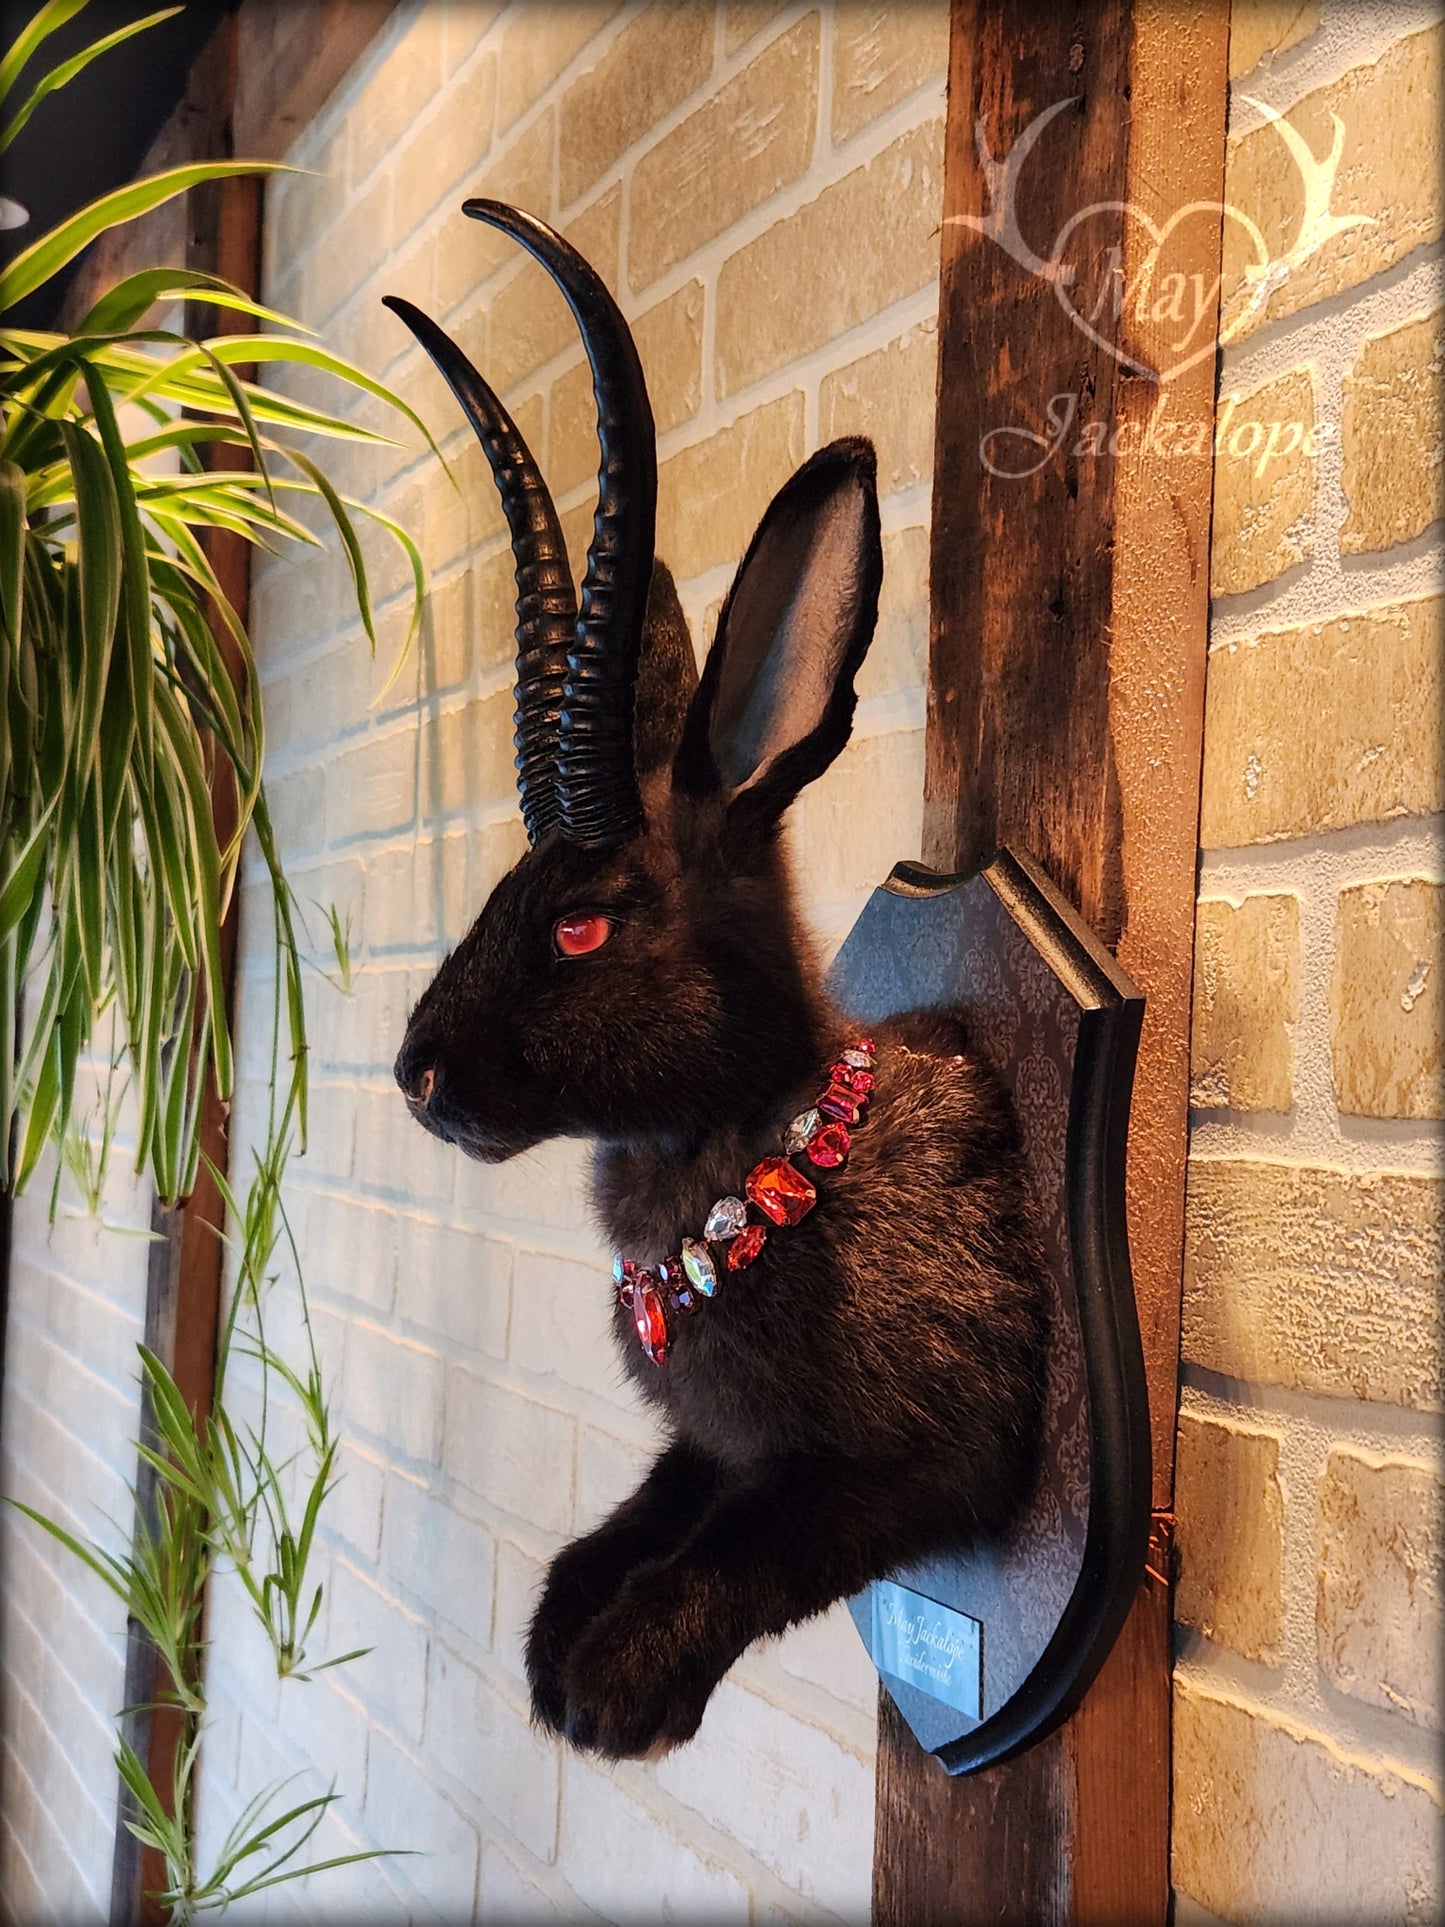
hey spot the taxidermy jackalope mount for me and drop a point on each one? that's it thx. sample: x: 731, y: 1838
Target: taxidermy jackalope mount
x: 828, y: 1279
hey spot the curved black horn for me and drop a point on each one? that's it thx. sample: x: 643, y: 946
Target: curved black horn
x: 546, y: 601
x: 596, y: 776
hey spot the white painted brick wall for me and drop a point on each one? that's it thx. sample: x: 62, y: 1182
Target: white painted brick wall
x: 71, y: 1408
x: 485, y: 1416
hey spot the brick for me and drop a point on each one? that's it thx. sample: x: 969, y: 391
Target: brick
x: 372, y: 789
x: 710, y: 497
x: 881, y: 55
x: 353, y: 1510
x: 897, y: 658
x: 347, y: 255
x: 447, y: 639
x: 609, y: 1470
x: 607, y: 1835
x: 669, y: 345
x: 889, y: 396
x: 508, y: 1893
x: 733, y: 153
x: 1246, y: 1003
x: 395, y: 96
x: 393, y: 1392
x: 442, y: 154
x: 659, y: 58
x: 438, y: 1556
x: 530, y: 320
x: 744, y: 18
x: 405, y: 1809
x: 1313, y: 1278
x: 1266, y: 28
x: 1270, y: 1818
x: 457, y: 1284
x: 1378, y: 1617
x: 1231, y: 1535
x: 1388, y: 175
x: 468, y: 756
x: 1264, y: 484
x: 494, y: 610
x: 864, y: 243
x: 298, y: 810
x: 1394, y: 437
x: 1324, y: 726
x: 788, y: 1792
x: 520, y: 1579
x: 511, y: 1450
x: 1386, y: 1009
x: 521, y: 175
x: 542, y: 43
x: 845, y: 850
x: 826, y: 1652
x: 392, y: 1675
x: 478, y: 1735
x: 572, y: 453
x: 562, y: 1325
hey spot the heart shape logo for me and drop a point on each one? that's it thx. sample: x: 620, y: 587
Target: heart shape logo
x: 1160, y: 294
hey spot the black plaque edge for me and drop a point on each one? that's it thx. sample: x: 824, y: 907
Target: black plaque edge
x: 1116, y: 1541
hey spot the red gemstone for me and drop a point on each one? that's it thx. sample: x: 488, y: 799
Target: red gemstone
x: 858, y: 1081
x: 840, y: 1104
x: 745, y: 1246
x: 829, y: 1146
x: 649, y: 1314
x: 865, y: 1044
x: 780, y: 1191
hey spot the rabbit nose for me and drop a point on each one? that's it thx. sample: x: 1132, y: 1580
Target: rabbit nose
x: 418, y: 1082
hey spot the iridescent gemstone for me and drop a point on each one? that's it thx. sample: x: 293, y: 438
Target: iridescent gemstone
x: 622, y: 1268
x: 800, y: 1130
x: 830, y: 1146
x: 649, y: 1315
x: 858, y: 1060
x: 670, y: 1273
x: 746, y: 1246
x: 697, y: 1263
x: 780, y: 1191
x: 725, y: 1220
x: 840, y: 1104
x: 683, y: 1299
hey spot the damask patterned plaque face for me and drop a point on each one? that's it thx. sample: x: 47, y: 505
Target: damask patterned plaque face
x: 1059, y: 1022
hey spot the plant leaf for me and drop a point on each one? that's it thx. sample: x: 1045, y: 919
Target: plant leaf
x: 68, y: 69
x: 47, y: 255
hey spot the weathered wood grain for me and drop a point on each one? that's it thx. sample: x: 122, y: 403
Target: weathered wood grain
x: 1064, y: 715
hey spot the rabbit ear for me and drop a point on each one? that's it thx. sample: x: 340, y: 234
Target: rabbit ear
x: 776, y: 700
x: 666, y: 677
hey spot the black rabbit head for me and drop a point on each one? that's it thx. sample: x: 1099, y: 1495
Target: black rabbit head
x: 640, y: 973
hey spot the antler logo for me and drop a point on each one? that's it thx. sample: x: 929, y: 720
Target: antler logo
x: 1161, y: 298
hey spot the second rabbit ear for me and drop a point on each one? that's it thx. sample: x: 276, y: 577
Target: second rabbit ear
x: 775, y: 703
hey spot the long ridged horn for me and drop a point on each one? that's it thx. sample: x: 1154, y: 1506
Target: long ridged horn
x: 596, y: 775
x: 546, y: 600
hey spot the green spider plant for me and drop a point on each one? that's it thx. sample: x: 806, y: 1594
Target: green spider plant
x: 129, y: 708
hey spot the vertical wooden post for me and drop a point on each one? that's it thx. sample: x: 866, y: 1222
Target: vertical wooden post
x: 1070, y: 609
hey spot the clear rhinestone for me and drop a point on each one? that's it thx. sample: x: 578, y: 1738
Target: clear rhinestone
x: 858, y: 1060
x: 725, y: 1220
x: 801, y: 1129
x: 697, y: 1263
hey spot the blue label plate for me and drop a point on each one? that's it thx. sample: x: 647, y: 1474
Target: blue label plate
x: 928, y: 1646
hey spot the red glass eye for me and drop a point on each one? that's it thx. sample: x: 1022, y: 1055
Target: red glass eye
x: 575, y: 936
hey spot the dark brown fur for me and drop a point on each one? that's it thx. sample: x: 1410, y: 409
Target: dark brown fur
x: 869, y: 1390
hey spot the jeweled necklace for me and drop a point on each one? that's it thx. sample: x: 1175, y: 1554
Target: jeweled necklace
x: 776, y: 1189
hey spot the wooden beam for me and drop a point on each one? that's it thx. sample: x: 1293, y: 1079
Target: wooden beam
x: 1070, y: 609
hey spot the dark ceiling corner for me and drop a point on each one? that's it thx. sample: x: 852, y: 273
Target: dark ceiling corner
x: 92, y: 135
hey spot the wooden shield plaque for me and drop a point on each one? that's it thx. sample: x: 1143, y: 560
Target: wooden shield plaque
x: 987, y: 1650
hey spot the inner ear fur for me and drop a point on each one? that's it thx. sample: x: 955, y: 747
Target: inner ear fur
x: 666, y: 676
x: 776, y: 700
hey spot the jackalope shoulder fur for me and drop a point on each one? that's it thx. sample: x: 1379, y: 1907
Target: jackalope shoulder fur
x: 867, y: 1388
